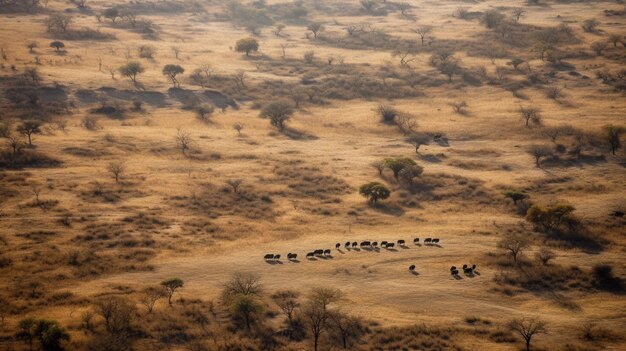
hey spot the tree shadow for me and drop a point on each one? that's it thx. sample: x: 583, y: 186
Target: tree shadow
x: 294, y: 260
x: 295, y: 134
x: 457, y: 277
x: 431, y: 158
x: 273, y: 262
x: 389, y: 209
x: 415, y: 273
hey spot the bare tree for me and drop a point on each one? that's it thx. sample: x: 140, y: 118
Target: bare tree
x: 238, y: 127
x: 379, y: 166
x: 545, y: 255
x: 554, y: 132
x: 242, y: 284
x: 346, y: 327
x: 539, y: 152
x: 183, y: 140
x: 527, y: 328
x: 459, y: 107
x: 287, y: 301
x: 117, y: 169
x: 518, y: 12
x: 315, y: 311
x: 36, y: 189
x: 515, y: 244
x: 530, y: 114
x: 176, y: 51
x: 234, y: 183
x: 151, y: 295
x: 423, y: 32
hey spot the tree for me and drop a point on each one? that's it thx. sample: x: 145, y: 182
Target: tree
x: 183, y: 140
x: 171, y: 285
x: 247, y: 45
x: 545, y: 41
x: 146, y: 51
x: 151, y: 295
x: 492, y: 18
x: 598, y: 47
x: 459, y: 107
x: 204, y: 111
x: 116, y: 168
x: 48, y: 332
x: 397, y: 164
x: 516, y: 195
x: 518, y: 12
x: 171, y: 71
x: 449, y: 67
x: 515, y: 62
x: 316, y: 313
x: 117, y: 313
x: 552, y: 217
x: 346, y: 327
x: 31, y: 46
x: 407, y: 174
x: 527, y: 328
x: 287, y: 301
x: 111, y: 13
x: 530, y: 114
x: 176, y: 51
x: 57, y: 45
x: 387, y: 113
x: 379, y: 166
x: 234, y: 183
x: 515, y: 244
x: 29, y: 128
x: 612, y: 135
x: 246, y: 308
x: 545, y: 255
x: 131, y: 70
x: 131, y: 17
x: 242, y: 284
x: 26, y: 331
x: 368, y: 5
x: 615, y: 39
x: 238, y: 127
x: 539, y: 152
x: 590, y: 25
x: 374, y: 191
x: 279, y: 112
x: 315, y: 28
x: 423, y: 32
x: 554, y: 132
x: 58, y: 22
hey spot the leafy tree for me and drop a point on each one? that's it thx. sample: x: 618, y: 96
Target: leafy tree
x: 112, y: 14
x: 171, y: 285
x: 31, y: 46
x: 612, y: 135
x: 374, y: 191
x: 615, y: 39
x: 516, y: 195
x: 247, y: 309
x: 492, y: 18
x: 552, y: 217
x: 204, y: 111
x: 131, y: 70
x: 598, y: 47
x: 527, y: 328
x: 398, y: 164
x: 29, y: 128
x: 315, y: 28
x: 247, y: 45
x: 48, y: 332
x: 57, y: 45
x: 279, y: 112
x: 171, y: 71
x: 407, y: 174
x: 515, y: 62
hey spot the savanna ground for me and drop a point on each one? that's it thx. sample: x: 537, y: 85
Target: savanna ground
x: 198, y: 200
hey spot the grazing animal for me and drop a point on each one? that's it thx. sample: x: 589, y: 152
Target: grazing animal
x: 276, y: 257
x: 365, y: 243
x: 416, y: 241
x: 453, y: 268
x: 454, y: 272
x: 464, y: 266
x: 383, y: 244
x: 427, y: 240
x: 310, y: 255
x: 269, y: 256
x: 354, y: 244
x: 292, y: 256
x: 401, y: 242
x: 375, y: 244
x: 435, y: 241
x: 318, y: 252
x: 412, y: 267
x: 347, y: 245
x: 473, y: 267
x: 326, y: 252
x: 337, y: 246
x: 390, y: 245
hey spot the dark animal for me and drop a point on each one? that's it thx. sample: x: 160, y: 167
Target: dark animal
x: 416, y: 241
x: 412, y: 267
x: 435, y: 241
x: 452, y: 268
x: 383, y: 244
x: 365, y: 243
x: 354, y: 244
x: 326, y: 252
x: 390, y: 245
x: 276, y: 257
x: 337, y: 246
x: 473, y: 267
x: 292, y: 256
x: 318, y: 252
x: 427, y: 240
x: 618, y: 213
x: 269, y: 256
x: 464, y: 266
x: 375, y: 243
x: 454, y: 272
x: 310, y: 255
x: 401, y: 242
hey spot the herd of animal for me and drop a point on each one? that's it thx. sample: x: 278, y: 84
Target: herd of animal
x: 468, y: 270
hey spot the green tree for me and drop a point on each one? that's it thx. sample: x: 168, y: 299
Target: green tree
x: 171, y: 285
x: 29, y: 128
x: 374, y: 191
x: 171, y: 71
x: 552, y: 217
x: 48, y: 332
x: 131, y: 70
x: 245, y: 308
x: 247, y: 45
x: 279, y: 112
x: 57, y: 45
x: 398, y: 164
